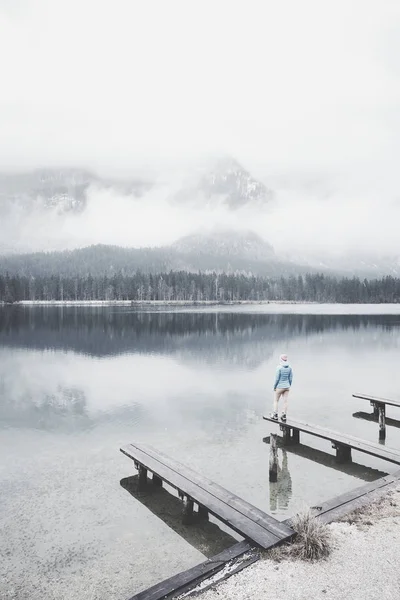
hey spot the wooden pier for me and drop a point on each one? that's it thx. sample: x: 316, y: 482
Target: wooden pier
x: 258, y: 528
x: 326, y: 459
x: 379, y: 410
x: 342, y: 443
x: 244, y: 518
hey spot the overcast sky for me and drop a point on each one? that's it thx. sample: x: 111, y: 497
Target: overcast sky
x: 300, y: 85
x: 305, y: 94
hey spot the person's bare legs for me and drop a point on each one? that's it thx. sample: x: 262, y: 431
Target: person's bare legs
x: 278, y: 394
x: 285, y: 396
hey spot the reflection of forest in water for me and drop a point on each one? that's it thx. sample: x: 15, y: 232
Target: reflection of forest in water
x: 229, y: 340
x: 109, y: 331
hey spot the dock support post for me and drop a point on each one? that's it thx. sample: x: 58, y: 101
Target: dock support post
x: 157, y: 481
x: 203, y: 513
x: 343, y: 453
x: 273, y: 457
x: 187, y: 509
x: 286, y: 437
x: 382, y: 423
x: 375, y: 407
x: 142, y: 475
x: 295, y: 436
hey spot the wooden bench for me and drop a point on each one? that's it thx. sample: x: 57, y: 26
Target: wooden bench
x: 343, y: 443
x: 242, y: 517
x: 379, y: 407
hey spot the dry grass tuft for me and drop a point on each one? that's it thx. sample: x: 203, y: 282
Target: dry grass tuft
x: 312, y: 542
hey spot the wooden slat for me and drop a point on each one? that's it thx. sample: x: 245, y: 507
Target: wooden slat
x: 239, y: 504
x: 376, y: 399
x: 193, y: 576
x: 233, y: 518
x: 355, y: 493
x: 345, y: 503
x: 365, y: 446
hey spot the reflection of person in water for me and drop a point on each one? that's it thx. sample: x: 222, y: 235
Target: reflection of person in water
x: 280, y: 491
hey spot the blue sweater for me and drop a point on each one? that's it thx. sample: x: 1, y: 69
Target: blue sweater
x: 284, y: 377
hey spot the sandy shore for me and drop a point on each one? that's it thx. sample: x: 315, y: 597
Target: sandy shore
x: 364, y: 564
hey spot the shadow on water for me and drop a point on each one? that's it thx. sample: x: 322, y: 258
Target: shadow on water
x: 371, y: 417
x: 202, y: 534
x: 328, y: 460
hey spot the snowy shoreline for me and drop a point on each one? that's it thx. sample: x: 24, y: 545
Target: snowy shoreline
x: 250, y: 306
x: 155, y: 302
x: 366, y: 552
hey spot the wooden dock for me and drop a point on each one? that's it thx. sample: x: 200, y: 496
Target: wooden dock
x: 327, y: 459
x: 379, y: 410
x: 375, y: 401
x: 343, y: 443
x: 244, y: 518
x: 238, y: 514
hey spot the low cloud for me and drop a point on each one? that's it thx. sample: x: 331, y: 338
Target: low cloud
x: 306, y: 218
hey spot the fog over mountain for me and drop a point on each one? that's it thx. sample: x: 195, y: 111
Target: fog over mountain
x: 215, y: 217
x: 156, y: 124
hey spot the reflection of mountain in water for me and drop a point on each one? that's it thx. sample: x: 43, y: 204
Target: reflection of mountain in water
x: 231, y: 338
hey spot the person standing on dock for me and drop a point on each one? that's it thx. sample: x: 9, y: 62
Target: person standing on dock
x: 283, y: 382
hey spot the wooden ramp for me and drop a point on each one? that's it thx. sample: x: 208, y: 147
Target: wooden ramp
x: 343, y: 443
x: 242, y: 517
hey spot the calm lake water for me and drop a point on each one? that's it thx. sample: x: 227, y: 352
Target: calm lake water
x: 76, y: 383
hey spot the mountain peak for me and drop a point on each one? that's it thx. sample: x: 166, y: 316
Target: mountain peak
x: 232, y: 181
x: 226, y: 181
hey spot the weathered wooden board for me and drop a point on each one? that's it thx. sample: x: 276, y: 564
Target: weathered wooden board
x: 377, y: 400
x: 261, y: 518
x: 177, y: 583
x: 383, y: 452
x: 238, y: 521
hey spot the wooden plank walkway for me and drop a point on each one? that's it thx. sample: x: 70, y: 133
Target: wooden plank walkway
x: 327, y: 459
x: 379, y: 406
x: 178, y: 584
x: 375, y: 400
x: 235, y: 512
x: 337, y: 507
x: 244, y: 553
x: 343, y: 443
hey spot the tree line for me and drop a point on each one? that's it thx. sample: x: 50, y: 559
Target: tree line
x: 198, y: 287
